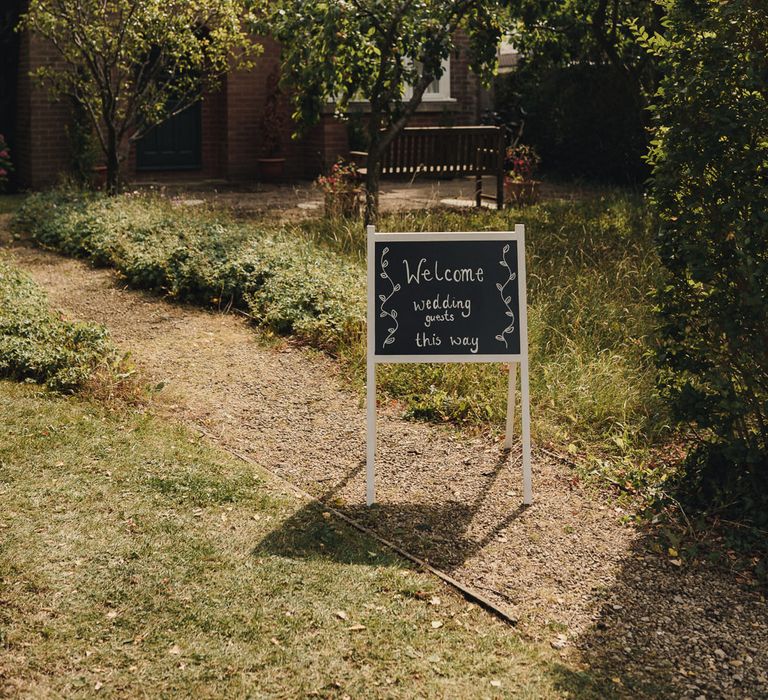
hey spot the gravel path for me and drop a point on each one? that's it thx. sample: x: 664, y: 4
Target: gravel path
x: 566, y: 567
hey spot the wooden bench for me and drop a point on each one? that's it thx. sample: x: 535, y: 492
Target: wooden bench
x: 447, y: 150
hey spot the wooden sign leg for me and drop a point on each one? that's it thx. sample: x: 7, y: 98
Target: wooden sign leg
x: 370, y: 460
x: 511, y: 395
x: 370, y: 464
x: 525, y: 407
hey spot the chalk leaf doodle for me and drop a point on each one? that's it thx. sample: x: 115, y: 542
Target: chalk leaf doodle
x: 385, y: 312
x: 506, y: 298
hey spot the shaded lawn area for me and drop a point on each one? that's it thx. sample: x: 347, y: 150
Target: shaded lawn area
x: 138, y: 560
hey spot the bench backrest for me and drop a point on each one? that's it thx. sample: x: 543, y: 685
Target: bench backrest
x: 456, y: 150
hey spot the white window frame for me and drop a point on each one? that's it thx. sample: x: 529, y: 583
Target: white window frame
x: 443, y: 91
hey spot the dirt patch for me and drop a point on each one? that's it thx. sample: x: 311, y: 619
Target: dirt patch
x: 566, y: 566
x: 302, y: 200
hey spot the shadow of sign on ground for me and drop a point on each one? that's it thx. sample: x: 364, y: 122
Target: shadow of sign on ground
x: 437, y: 532
x: 660, y: 630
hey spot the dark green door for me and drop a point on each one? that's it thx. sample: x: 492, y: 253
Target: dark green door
x: 172, y: 145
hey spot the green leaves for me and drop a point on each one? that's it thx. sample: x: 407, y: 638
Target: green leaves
x: 132, y: 63
x: 710, y: 187
x: 36, y: 345
x: 337, y: 51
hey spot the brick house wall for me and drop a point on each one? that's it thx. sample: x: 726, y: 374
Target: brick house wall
x: 42, y: 151
x: 230, y: 124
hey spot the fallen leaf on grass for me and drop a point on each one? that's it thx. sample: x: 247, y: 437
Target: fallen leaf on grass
x: 341, y: 615
x: 559, y: 642
x: 356, y: 628
x: 496, y: 684
x: 436, y: 624
x: 434, y: 600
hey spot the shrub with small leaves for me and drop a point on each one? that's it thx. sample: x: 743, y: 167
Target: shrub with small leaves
x: 285, y: 283
x: 710, y: 185
x: 36, y: 345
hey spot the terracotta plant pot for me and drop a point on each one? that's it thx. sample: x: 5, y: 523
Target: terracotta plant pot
x: 345, y: 204
x: 521, y: 194
x: 271, y: 169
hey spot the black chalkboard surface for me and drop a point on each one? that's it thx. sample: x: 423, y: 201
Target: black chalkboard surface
x: 446, y: 298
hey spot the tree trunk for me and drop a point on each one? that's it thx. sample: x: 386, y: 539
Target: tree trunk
x: 373, y: 166
x: 113, y: 164
x: 372, y: 177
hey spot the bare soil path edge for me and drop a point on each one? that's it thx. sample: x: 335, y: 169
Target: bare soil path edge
x: 466, y: 591
x: 565, y: 567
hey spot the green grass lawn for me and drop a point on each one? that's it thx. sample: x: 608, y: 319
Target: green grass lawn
x: 138, y: 561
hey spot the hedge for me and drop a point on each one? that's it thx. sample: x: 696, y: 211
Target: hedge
x: 37, y: 345
x: 283, y: 283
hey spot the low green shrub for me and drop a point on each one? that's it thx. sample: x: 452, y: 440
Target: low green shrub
x: 36, y: 345
x: 286, y: 284
x: 304, y: 291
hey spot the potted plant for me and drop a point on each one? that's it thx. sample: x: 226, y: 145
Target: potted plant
x: 520, y: 187
x: 342, y: 190
x: 272, y: 162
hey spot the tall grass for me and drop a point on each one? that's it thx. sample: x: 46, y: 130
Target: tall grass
x: 591, y: 265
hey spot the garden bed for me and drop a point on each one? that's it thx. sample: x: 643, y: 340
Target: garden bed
x: 591, y: 266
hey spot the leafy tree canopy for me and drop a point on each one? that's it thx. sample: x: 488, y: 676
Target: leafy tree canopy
x: 130, y: 64
x: 564, y: 32
x: 337, y: 51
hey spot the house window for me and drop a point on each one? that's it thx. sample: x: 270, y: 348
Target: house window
x: 439, y: 89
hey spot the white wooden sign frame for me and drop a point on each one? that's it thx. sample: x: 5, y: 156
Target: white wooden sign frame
x: 518, y: 238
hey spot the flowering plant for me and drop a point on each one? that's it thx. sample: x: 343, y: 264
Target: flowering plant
x: 5, y: 163
x: 343, y: 177
x: 521, y: 163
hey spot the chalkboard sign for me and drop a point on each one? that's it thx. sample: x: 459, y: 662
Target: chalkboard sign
x: 447, y: 297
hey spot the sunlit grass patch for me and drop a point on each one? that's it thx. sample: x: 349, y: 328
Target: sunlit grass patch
x: 138, y: 560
